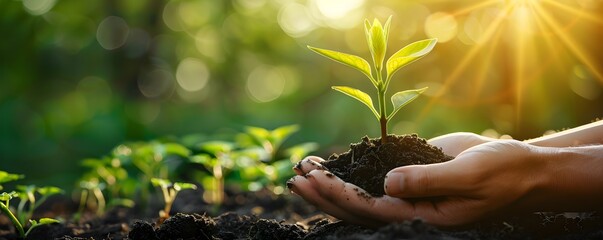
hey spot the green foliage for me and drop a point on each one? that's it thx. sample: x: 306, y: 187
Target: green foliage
x: 377, y: 36
x: 170, y: 191
x: 250, y: 160
x: 8, y: 177
x: 31, y: 197
x: 27, y: 195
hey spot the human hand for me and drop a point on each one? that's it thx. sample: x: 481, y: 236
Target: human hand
x: 454, y: 143
x: 486, y: 179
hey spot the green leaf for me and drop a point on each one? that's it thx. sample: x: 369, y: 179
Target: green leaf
x: 409, y: 54
x: 347, y: 59
x: 282, y: 133
x: 177, y: 149
x: 8, y: 196
x: 43, y: 221
x: 158, y: 182
x: 215, y: 147
x: 181, y: 186
x: 204, y: 159
x: 49, y: 190
x: 379, y: 44
x: 358, y: 95
x: 400, y: 99
x: 8, y: 177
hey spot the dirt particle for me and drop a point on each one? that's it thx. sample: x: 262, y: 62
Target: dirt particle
x: 330, y: 175
x: 298, y: 165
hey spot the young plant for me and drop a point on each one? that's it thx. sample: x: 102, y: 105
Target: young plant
x: 29, y: 203
x: 218, y: 160
x: 169, y: 190
x: 377, y: 36
x: 26, y: 196
x: 271, y: 165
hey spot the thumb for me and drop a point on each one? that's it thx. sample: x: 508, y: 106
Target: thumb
x: 423, y: 181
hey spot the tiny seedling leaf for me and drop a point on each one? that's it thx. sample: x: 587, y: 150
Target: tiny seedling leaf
x: 177, y: 149
x: 158, y: 182
x: 215, y: 147
x: 49, y: 190
x: 400, y: 99
x: 378, y: 43
x: 181, y: 186
x: 358, y: 95
x: 6, y: 196
x: 347, y: 59
x: 43, y: 221
x: 204, y: 160
x: 8, y: 177
x: 280, y: 134
x: 409, y: 54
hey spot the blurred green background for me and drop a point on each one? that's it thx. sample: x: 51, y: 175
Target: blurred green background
x: 80, y: 77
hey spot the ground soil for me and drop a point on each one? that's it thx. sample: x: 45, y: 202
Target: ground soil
x: 262, y: 215
x: 367, y: 162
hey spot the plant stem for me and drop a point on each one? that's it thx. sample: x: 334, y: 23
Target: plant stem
x: 382, y: 110
x: 383, y: 122
x: 13, y: 219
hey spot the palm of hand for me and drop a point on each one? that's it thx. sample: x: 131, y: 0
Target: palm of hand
x: 452, y: 193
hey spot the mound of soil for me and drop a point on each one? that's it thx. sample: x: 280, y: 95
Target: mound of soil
x: 367, y: 162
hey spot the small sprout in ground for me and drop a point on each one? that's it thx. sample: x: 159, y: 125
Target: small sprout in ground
x: 27, y: 194
x: 377, y: 36
x: 43, y: 221
x: 219, y: 162
x: 169, y: 190
x: 29, y: 203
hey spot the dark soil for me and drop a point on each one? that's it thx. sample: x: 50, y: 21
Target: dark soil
x: 367, y: 162
x: 262, y: 215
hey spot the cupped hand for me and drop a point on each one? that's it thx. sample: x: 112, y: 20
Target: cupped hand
x: 486, y: 179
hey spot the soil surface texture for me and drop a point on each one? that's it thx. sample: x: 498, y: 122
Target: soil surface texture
x: 367, y: 162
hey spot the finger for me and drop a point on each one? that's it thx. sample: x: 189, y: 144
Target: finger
x: 308, y: 164
x: 354, y: 199
x: 454, y: 143
x: 441, y: 179
x: 304, y: 188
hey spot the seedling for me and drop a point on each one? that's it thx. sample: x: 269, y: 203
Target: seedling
x: 27, y: 195
x: 377, y: 36
x: 219, y: 162
x: 169, y: 190
x: 272, y: 166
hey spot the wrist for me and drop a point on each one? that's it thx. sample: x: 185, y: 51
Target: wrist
x: 570, y: 179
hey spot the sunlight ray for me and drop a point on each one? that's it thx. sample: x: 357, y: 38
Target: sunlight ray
x: 480, y: 77
x: 569, y: 42
x: 474, y: 7
x: 464, y: 63
x: 577, y: 12
x: 556, y: 54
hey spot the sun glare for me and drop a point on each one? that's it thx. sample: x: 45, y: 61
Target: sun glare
x: 528, y: 39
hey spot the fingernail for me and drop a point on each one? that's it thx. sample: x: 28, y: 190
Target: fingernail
x: 394, y: 182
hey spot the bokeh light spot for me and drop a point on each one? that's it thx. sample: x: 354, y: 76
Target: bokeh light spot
x: 338, y: 14
x: 336, y: 9
x: 155, y: 83
x: 170, y: 16
x: 441, y: 25
x: 38, y: 7
x: 295, y: 20
x: 584, y: 84
x: 192, y: 74
x: 112, y: 32
x: 265, y: 84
